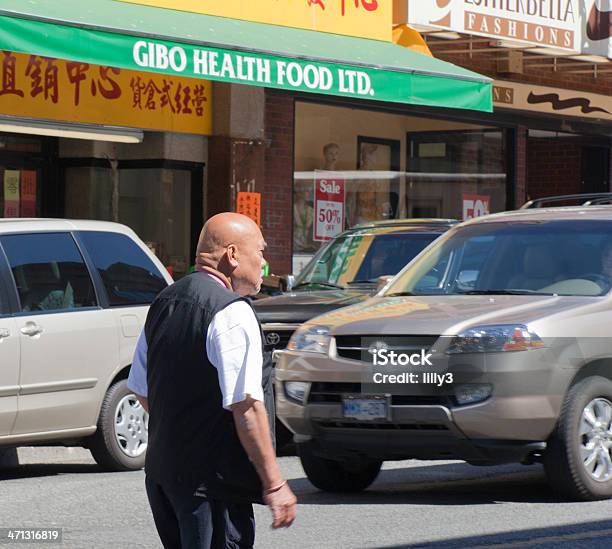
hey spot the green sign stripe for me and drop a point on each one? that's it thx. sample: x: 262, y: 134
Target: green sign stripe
x: 228, y: 65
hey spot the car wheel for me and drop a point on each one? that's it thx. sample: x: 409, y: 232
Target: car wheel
x: 8, y: 458
x: 578, y: 459
x: 337, y: 476
x: 120, y: 442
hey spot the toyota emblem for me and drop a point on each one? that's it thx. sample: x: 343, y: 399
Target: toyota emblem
x: 272, y: 338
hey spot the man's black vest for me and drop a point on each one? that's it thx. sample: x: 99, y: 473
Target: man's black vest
x: 192, y: 438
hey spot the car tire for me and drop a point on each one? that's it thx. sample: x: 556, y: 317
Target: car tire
x: 119, y: 443
x: 569, y: 447
x: 8, y: 458
x: 337, y: 476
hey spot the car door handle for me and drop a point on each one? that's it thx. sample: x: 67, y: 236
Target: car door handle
x: 31, y: 329
x: 4, y: 333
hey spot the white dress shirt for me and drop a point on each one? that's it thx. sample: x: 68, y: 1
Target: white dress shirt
x: 233, y: 347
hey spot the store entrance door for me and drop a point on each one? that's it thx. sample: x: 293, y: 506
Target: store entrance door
x: 595, y: 176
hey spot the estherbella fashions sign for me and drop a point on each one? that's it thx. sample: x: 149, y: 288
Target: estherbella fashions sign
x: 549, y: 23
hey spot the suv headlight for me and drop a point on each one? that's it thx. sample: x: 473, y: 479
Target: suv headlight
x: 494, y: 339
x: 297, y: 390
x: 314, y: 339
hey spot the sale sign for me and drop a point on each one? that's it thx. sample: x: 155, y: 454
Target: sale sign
x: 329, y: 208
x: 475, y: 205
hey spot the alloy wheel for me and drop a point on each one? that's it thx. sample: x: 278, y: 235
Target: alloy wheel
x: 596, y: 439
x: 131, y: 426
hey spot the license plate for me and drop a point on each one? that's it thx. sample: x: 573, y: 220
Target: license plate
x: 365, y: 408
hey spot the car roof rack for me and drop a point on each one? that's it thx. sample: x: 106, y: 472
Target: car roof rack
x: 586, y: 199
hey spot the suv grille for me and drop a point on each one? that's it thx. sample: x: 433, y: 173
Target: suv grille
x: 356, y: 347
x: 331, y: 393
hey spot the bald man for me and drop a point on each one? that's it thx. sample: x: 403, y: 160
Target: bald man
x: 199, y: 370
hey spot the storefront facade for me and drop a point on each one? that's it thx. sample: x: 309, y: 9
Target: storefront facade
x: 552, y: 68
x: 274, y: 125
x: 549, y: 133
x: 86, y: 141
x: 262, y: 106
x: 392, y: 165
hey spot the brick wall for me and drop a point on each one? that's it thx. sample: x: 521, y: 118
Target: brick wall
x: 278, y: 180
x: 554, y: 166
x: 542, y: 167
x: 486, y: 64
x: 520, y: 167
x: 218, y: 197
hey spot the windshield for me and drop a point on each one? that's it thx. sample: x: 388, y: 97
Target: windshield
x: 358, y: 257
x: 542, y: 257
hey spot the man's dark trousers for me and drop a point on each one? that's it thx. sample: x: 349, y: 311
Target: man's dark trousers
x: 186, y: 521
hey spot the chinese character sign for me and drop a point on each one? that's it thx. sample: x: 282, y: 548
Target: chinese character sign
x: 11, y: 193
x: 53, y: 89
x: 363, y: 18
x: 329, y: 208
x: 28, y: 194
x: 475, y: 205
x: 249, y: 204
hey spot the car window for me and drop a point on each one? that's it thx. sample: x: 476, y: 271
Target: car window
x: 389, y: 253
x: 49, y: 272
x: 327, y: 263
x: 4, y: 307
x: 547, y: 257
x: 4, y: 288
x: 362, y: 258
x: 128, y: 274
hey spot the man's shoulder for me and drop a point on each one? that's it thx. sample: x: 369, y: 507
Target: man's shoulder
x: 236, y: 313
x: 200, y: 288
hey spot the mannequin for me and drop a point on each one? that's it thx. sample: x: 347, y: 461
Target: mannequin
x: 331, y: 152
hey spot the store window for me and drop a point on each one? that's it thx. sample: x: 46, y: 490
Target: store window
x: 20, y: 176
x: 355, y: 166
x: 154, y: 202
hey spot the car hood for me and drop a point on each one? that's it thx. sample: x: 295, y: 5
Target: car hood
x: 298, y: 307
x: 443, y: 315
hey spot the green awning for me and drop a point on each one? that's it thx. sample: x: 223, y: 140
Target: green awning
x: 130, y: 36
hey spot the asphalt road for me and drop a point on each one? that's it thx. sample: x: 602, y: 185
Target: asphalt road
x: 412, y: 504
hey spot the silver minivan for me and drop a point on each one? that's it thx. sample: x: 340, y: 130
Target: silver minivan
x: 73, y: 299
x: 494, y: 345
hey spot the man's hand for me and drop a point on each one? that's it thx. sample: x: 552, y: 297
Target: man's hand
x: 283, y: 505
x: 251, y: 420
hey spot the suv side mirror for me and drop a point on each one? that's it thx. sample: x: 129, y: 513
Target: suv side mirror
x: 287, y: 282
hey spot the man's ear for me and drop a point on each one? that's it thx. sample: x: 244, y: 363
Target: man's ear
x: 232, y: 255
